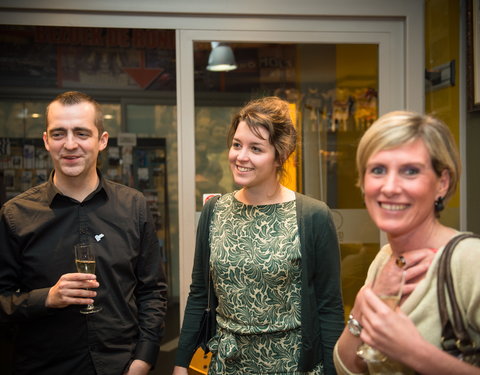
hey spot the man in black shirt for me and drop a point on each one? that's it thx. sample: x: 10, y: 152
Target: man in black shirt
x: 40, y: 289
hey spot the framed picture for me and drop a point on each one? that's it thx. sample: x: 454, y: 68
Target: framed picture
x: 473, y: 55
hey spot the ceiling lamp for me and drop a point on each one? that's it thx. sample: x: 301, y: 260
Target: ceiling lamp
x: 221, y: 58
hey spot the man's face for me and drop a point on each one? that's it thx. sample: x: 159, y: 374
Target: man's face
x: 73, y: 140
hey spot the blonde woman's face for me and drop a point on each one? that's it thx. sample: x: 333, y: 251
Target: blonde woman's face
x: 400, y: 188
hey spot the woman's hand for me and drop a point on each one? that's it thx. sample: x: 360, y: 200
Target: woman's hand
x: 138, y: 367
x: 177, y: 370
x: 389, y: 331
x: 395, y: 335
x: 348, y: 344
x: 417, y: 263
x: 385, y: 328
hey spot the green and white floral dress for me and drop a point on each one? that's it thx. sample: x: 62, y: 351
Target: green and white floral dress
x: 256, y: 269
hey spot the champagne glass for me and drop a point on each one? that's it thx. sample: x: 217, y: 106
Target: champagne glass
x: 85, y: 263
x: 387, y: 285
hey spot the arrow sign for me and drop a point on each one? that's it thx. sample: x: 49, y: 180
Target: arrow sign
x: 143, y: 76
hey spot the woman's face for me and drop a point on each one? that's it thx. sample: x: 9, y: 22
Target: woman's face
x: 401, y: 187
x: 252, y: 159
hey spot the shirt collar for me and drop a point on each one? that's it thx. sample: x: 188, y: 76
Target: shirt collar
x: 53, y: 193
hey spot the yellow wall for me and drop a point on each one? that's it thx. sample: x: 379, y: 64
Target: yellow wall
x: 442, y: 25
x: 291, y: 171
x: 356, y: 68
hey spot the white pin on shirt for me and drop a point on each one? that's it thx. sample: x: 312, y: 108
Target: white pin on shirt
x: 98, y: 237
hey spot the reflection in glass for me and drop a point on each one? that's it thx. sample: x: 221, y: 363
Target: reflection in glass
x: 332, y: 90
x: 112, y: 118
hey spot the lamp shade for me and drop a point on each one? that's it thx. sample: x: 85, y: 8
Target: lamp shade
x: 221, y: 59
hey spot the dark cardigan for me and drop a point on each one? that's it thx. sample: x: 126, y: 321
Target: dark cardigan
x: 322, y: 317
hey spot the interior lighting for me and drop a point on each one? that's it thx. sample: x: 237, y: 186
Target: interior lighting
x: 221, y: 58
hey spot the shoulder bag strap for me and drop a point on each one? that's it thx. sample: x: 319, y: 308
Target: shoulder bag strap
x: 208, y: 221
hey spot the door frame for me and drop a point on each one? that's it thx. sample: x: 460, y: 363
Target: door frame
x: 395, y: 91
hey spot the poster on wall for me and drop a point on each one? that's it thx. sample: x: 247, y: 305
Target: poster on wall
x: 87, y: 57
x: 25, y: 63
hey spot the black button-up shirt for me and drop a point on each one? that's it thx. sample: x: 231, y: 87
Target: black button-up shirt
x: 38, y: 230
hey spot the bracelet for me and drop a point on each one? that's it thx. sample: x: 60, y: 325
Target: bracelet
x: 354, y: 326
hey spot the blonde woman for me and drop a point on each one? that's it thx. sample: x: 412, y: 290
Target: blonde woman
x: 408, y: 168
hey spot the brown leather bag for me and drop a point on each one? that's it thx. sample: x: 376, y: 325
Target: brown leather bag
x: 455, y: 338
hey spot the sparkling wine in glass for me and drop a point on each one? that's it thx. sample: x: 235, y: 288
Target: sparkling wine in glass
x: 85, y: 263
x: 387, y: 285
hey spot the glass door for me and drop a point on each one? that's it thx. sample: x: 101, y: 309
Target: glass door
x: 337, y: 83
x: 332, y: 90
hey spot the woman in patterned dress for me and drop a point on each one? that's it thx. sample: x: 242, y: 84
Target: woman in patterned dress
x: 273, y: 258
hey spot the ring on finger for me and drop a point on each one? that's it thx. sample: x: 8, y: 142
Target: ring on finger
x: 401, y: 261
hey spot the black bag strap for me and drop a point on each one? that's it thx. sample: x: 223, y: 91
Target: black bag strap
x: 207, y: 231
x: 209, y: 286
x: 455, y: 337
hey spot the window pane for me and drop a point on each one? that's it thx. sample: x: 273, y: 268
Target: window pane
x: 117, y: 67
x: 332, y: 91
x: 112, y: 118
x: 12, y: 119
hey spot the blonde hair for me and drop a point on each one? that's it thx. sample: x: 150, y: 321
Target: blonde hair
x: 397, y: 128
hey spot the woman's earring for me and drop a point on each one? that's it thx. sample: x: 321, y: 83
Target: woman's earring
x: 439, y: 204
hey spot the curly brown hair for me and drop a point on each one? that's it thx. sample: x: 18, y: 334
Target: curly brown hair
x: 272, y: 114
